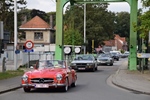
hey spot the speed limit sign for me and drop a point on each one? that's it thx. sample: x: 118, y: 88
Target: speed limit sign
x: 29, y: 44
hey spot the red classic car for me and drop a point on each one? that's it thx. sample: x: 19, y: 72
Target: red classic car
x: 49, y: 74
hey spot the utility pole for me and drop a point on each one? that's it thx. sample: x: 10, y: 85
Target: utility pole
x: 1, y: 36
x: 15, y: 33
x: 84, y: 28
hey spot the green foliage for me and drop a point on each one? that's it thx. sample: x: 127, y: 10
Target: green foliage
x: 72, y: 37
x: 122, y: 24
x: 144, y: 26
x: 122, y: 51
x: 146, y: 3
x: 99, y: 21
x: 10, y: 74
x: 7, y: 13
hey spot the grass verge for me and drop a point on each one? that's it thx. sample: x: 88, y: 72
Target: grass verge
x: 10, y: 74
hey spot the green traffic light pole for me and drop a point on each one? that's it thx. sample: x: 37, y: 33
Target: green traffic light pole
x: 133, y: 34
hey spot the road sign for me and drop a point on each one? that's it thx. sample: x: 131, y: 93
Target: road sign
x: 17, y: 51
x: 28, y: 50
x: 29, y: 44
x: 143, y: 55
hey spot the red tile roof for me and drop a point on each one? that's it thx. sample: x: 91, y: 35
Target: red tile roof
x: 35, y: 22
x: 123, y: 39
x: 110, y: 43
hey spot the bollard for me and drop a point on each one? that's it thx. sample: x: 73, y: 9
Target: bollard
x: 4, y: 64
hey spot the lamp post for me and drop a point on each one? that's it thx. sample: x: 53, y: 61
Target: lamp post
x: 84, y: 28
x: 15, y: 33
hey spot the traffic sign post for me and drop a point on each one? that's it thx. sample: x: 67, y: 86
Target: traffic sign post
x: 29, y: 48
x: 29, y: 45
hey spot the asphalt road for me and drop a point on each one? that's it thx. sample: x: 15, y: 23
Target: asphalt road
x: 90, y: 86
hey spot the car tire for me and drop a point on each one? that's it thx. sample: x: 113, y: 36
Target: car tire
x: 26, y: 89
x: 93, y: 69
x: 74, y: 83
x: 111, y: 64
x: 96, y: 68
x: 65, y: 88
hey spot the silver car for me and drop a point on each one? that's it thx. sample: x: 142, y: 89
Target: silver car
x: 105, y: 59
x: 84, y: 62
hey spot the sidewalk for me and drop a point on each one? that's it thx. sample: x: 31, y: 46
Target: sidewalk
x: 132, y: 80
x: 10, y: 84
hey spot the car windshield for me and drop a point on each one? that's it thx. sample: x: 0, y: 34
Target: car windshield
x: 51, y: 63
x: 103, y: 55
x: 113, y: 54
x: 84, y: 57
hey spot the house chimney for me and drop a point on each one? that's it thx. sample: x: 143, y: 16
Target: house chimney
x: 51, y: 21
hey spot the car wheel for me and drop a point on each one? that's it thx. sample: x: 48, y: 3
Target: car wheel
x: 26, y: 89
x: 111, y: 64
x: 75, y: 82
x: 93, y: 69
x: 65, y: 88
x: 96, y: 68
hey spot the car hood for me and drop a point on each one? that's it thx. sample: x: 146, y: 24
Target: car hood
x: 45, y: 72
x: 104, y: 58
x: 82, y: 61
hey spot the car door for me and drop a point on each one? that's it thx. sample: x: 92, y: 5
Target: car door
x: 69, y: 73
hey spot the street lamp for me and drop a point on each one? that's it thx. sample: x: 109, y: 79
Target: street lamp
x: 84, y: 27
x: 15, y: 33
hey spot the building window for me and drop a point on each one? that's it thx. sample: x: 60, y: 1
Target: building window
x: 22, y: 36
x: 38, y: 35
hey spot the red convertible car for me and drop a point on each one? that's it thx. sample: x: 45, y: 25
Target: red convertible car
x: 49, y: 74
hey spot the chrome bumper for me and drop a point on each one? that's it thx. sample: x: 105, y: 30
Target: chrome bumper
x: 50, y: 85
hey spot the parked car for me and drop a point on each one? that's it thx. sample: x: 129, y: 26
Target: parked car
x: 125, y: 54
x: 84, y: 62
x: 49, y: 74
x: 105, y: 59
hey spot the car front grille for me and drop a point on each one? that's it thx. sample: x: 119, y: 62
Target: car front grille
x: 42, y: 80
x: 81, y: 64
x: 103, y: 59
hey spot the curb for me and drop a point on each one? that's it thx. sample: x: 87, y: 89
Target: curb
x: 11, y: 89
x: 127, y: 88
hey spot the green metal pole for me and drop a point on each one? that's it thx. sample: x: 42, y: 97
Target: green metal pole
x: 133, y: 35
x: 59, y: 29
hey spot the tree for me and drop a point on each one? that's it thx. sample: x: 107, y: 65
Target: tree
x: 144, y: 27
x: 99, y: 22
x: 6, y: 13
x: 72, y: 37
x: 122, y: 24
x: 146, y: 3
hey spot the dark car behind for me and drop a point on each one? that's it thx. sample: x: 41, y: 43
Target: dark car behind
x: 115, y: 55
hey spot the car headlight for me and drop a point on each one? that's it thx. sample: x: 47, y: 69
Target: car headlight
x: 108, y: 59
x: 73, y: 64
x: 25, y: 78
x: 59, y: 77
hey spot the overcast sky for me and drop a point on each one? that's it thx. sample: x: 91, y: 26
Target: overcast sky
x: 50, y: 5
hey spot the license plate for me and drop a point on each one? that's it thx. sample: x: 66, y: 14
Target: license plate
x: 81, y: 68
x: 102, y: 62
x: 41, y: 85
